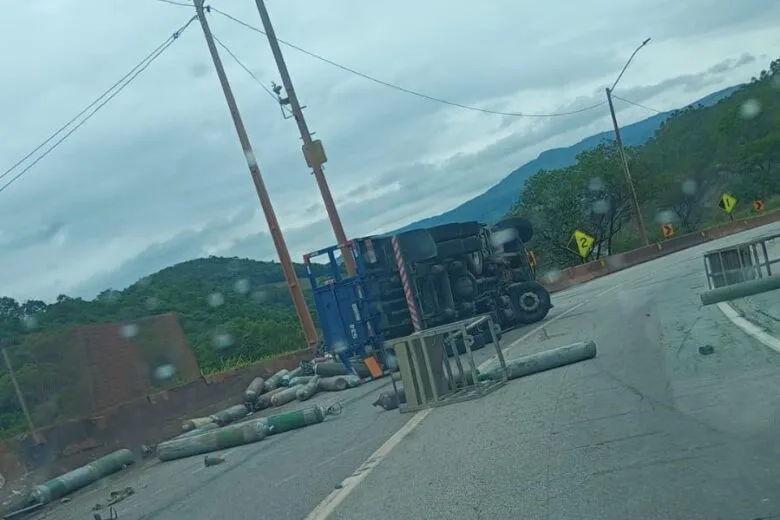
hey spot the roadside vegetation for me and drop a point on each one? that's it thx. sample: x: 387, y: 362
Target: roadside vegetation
x: 698, y: 154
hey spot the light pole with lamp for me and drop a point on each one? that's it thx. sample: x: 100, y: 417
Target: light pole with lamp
x: 635, y: 209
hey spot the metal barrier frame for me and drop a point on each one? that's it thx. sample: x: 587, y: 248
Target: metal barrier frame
x: 760, y: 264
x: 461, y: 387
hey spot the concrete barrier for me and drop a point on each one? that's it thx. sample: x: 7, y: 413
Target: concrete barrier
x: 611, y: 264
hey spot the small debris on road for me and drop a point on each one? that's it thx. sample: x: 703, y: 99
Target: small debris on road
x: 213, y: 460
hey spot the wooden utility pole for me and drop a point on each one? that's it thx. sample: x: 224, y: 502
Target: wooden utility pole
x: 20, y: 397
x: 309, y: 332
x: 313, y: 151
x: 636, y: 210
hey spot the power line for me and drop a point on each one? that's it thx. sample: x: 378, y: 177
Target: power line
x: 640, y: 105
x: 248, y: 71
x: 173, y: 2
x: 107, y: 96
x: 400, y: 88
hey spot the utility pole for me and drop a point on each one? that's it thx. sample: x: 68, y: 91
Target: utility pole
x: 635, y: 209
x: 309, y: 332
x: 313, y: 151
x: 20, y: 397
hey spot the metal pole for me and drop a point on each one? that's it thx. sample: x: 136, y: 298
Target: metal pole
x: 309, y: 332
x: 312, y: 150
x: 20, y: 397
x: 635, y: 209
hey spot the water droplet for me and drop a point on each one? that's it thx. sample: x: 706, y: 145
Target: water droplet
x: 29, y: 322
x: 128, y: 331
x: 750, y: 109
x: 60, y: 237
x: 391, y: 361
x: 601, y: 207
x: 251, y: 160
x: 259, y: 296
x: 152, y: 302
x: 199, y: 70
x: 339, y: 347
x: 223, y: 340
x: 110, y: 296
x: 665, y: 216
x: 552, y: 276
x: 234, y: 266
x: 595, y: 184
x: 216, y: 299
x: 615, y: 261
x: 164, y: 372
x: 503, y: 236
x: 241, y: 286
x: 689, y: 187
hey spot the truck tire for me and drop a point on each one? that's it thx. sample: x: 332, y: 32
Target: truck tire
x: 531, y: 300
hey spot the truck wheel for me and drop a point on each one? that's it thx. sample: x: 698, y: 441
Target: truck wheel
x: 532, y: 301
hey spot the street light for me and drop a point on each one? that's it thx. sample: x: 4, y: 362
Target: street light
x: 635, y: 209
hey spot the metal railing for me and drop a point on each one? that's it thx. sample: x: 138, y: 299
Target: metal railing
x: 740, y: 263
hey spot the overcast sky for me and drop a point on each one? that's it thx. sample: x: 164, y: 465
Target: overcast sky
x: 158, y: 177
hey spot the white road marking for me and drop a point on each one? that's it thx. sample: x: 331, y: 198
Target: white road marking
x: 748, y: 327
x: 337, y: 496
x: 325, y: 508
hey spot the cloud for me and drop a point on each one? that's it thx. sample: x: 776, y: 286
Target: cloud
x: 158, y: 176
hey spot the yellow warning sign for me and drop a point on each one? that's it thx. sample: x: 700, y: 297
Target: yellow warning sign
x: 584, y: 242
x: 667, y: 230
x: 727, y: 202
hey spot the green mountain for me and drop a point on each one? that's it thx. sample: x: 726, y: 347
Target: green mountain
x: 494, y: 203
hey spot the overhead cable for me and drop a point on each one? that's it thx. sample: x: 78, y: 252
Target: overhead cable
x: 91, y: 109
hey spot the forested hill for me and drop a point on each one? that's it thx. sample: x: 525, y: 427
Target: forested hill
x: 698, y: 154
x: 497, y: 200
x: 245, y: 298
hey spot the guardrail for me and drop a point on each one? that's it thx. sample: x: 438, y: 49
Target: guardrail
x: 614, y: 263
x: 740, y: 270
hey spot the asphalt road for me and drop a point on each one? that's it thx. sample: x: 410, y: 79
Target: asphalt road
x: 648, y: 429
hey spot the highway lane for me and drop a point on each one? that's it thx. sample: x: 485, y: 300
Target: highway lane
x: 286, y: 476
x: 651, y: 428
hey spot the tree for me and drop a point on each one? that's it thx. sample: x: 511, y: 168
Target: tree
x: 697, y: 154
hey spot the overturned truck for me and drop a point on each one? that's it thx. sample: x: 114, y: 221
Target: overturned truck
x: 424, y: 278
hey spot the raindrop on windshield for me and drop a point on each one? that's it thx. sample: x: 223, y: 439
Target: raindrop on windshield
x: 216, y: 299
x: 601, y: 207
x: 164, y: 372
x: 595, y: 184
x: 689, y: 187
x: 223, y: 340
x: 750, y: 109
x: 552, y: 276
x: 128, y: 331
x: 241, y: 286
x: 665, y: 216
x: 29, y: 322
x: 503, y: 236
